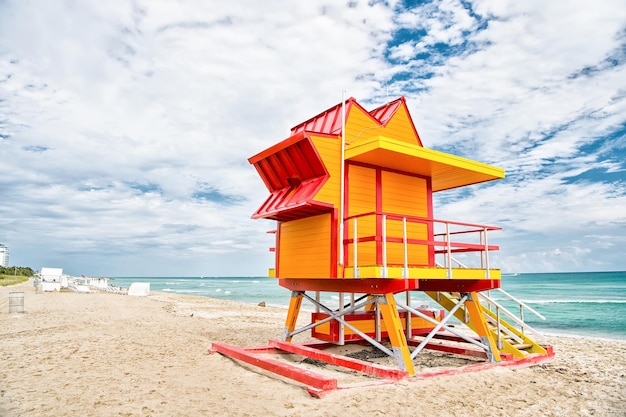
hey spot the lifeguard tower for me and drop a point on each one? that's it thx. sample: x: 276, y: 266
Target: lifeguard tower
x: 351, y: 193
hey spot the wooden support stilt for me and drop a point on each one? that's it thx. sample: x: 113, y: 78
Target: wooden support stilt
x: 389, y: 311
x: 292, y: 315
x: 478, y: 323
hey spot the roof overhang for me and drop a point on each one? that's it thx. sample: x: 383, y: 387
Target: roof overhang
x: 446, y: 171
x: 293, y: 173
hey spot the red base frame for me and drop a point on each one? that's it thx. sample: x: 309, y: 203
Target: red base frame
x: 318, y: 385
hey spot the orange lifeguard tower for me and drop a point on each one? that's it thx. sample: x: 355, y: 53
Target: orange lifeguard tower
x: 351, y: 192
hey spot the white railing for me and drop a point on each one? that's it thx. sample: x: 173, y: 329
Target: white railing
x: 439, y: 244
x: 524, y: 328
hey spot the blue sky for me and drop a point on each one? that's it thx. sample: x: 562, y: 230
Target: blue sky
x: 125, y: 127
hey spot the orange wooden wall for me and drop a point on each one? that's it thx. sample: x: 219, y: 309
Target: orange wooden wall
x: 405, y: 195
x: 372, y: 189
x: 361, y: 199
x: 400, y: 127
x: 305, y: 247
x: 329, y: 149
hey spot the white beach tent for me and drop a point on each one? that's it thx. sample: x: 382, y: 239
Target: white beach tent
x: 139, y: 289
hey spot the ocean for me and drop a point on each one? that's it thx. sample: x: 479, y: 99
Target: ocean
x: 588, y: 304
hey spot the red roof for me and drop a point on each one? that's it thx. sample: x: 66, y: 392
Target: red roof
x: 293, y: 172
x: 329, y: 121
x: 386, y: 111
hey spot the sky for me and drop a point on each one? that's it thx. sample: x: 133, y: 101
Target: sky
x: 125, y: 126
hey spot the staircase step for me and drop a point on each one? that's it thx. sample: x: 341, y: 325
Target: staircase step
x: 521, y: 346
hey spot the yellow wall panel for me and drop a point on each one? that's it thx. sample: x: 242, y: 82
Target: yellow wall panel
x: 366, y: 227
x: 362, y: 199
x: 362, y: 190
x: 404, y: 194
x: 417, y: 254
x: 413, y: 230
x: 305, y: 248
x: 329, y: 150
x: 366, y: 255
x: 360, y: 125
x: 401, y: 128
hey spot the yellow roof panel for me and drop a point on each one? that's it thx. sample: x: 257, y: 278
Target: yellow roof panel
x: 447, y: 171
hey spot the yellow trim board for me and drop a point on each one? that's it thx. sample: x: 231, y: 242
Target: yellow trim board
x: 446, y: 170
x: 395, y: 272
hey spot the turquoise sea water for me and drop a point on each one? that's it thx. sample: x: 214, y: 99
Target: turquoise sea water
x: 585, y: 304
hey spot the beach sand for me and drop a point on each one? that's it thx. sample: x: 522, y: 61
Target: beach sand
x: 73, y: 354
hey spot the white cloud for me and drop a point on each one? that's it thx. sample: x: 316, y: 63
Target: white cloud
x: 105, y: 101
x: 114, y: 115
x: 539, y: 94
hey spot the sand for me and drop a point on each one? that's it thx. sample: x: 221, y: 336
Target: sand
x: 73, y: 354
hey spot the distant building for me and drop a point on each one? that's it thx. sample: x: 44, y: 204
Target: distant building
x: 4, y: 256
x: 51, y: 279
